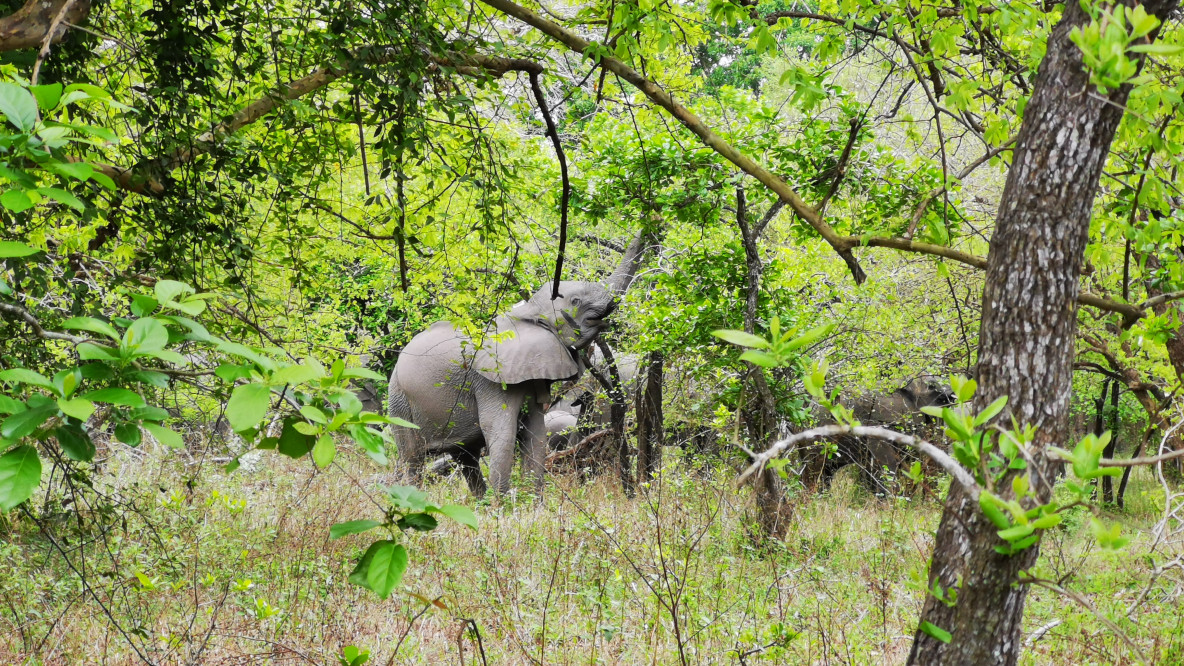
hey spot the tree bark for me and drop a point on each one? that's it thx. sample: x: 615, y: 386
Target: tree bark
x: 1026, y: 341
x: 649, y: 419
x: 26, y: 27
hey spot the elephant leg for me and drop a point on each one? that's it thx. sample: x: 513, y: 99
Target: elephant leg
x: 883, y: 454
x: 534, y: 444
x: 469, y: 459
x: 498, y: 413
x: 412, y: 454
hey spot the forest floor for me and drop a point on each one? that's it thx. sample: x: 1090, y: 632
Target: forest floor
x: 205, y: 567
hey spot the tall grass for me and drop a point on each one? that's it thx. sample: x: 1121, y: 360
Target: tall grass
x: 197, y: 566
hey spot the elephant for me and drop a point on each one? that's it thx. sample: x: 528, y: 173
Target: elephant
x: 899, y: 410
x: 464, y: 394
x: 559, y: 426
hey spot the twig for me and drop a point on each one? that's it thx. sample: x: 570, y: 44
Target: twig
x: 1040, y: 632
x: 53, y: 27
x: 566, y: 194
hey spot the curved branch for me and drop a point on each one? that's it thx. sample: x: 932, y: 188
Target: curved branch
x: 692, y: 122
x: 959, y: 474
x: 39, y: 23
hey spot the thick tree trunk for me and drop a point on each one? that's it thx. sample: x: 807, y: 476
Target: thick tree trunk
x: 26, y: 27
x: 649, y: 420
x: 1026, y: 339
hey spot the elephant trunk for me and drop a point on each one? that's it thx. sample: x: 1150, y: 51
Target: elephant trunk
x: 623, y: 276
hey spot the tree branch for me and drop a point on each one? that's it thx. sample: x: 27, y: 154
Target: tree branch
x: 692, y: 122
x: 959, y: 474
x: 38, y: 23
x: 553, y: 133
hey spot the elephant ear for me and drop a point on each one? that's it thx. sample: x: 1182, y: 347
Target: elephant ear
x: 532, y: 352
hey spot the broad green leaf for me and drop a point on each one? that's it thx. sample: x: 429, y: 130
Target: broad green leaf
x: 760, y: 358
x: 22, y: 424
x: 116, y: 396
x: 461, y: 514
x: 990, y: 411
x: 129, y: 433
x: 79, y: 408
x: 143, y: 305
x: 297, y: 374
x: 16, y: 200
x: 352, y: 527
x: 229, y: 372
x: 408, y: 498
x: 313, y: 414
x: 20, y: 473
x: 145, y: 335
x: 169, y: 290
x: 19, y: 105
x: 387, y: 564
x: 92, y: 352
x: 422, y: 522
x: 164, y: 435
x: 27, y: 376
x: 324, y: 451
x: 63, y: 197
x: 13, y: 249
x: 91, y: 324
x: 1016, y: 532
x: 741, y: 338
x: 247, y: 406
x: 292, y: 442
x: 10, y: 405
x: 75, y: 443
x: 149, y: 413
x: 47, y: 96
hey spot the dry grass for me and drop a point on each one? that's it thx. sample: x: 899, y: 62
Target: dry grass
x: 588, y: 576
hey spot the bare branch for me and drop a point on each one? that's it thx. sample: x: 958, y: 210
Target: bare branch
x: 38, y: 22
x: 50, y: 38
x: 956, y: 471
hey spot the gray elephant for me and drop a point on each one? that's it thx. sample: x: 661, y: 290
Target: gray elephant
x: 559, y: 426
x: 466, y: 394
x: 899, y: 410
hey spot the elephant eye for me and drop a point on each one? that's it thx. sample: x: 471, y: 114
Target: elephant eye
x: 575, y: 302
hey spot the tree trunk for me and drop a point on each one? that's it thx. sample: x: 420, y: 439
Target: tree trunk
x: 649, y: 420
x: 1026, y: 340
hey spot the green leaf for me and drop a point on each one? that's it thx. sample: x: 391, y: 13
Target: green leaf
x: 16, y: 200
x: 228, y: 372
x: 352, y: 527
x: 129, y: 433
x: 79, y: 408
x: 408, y: 498
x: 92, y: 352
x: 362, y: 373
x: 423, y: 522
x: 313, y: 414
x: 388, y: 561
x: 19, y: 105
x: 75, y: 443
x: 22, y: 424
x: 247, y: 406
x: 760, y: 358
x: 13, y: 249
x: 741, y: 338
x: 292, y: 442
x: 63, y: 197
x: 116, y: 396
x: 1016, y: 532
x: 10, y: 405
x: 461, y: 514
x: 91, y: 324
x: 166, y: 436
x: 143, y: 305
x: 324, y: 451
x: 990, y: 411
x: 145, y: 335
x: 27, y: 376
x: 47, y: 96
x: 809, y: 337
x: 1158, y: 48
x: 169, y: 290
x: 20, y: 473
x: 930, y: 629
x: 297, y: 374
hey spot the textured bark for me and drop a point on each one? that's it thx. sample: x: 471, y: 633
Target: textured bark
x: 1026, y: 340
x: 649, y: 420
x: 26, y: 27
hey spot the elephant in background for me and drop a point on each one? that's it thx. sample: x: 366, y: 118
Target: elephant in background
x: 559, y: 426
x: 899, y: 410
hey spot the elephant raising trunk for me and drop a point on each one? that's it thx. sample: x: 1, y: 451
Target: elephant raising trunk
x: 465, y: 394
